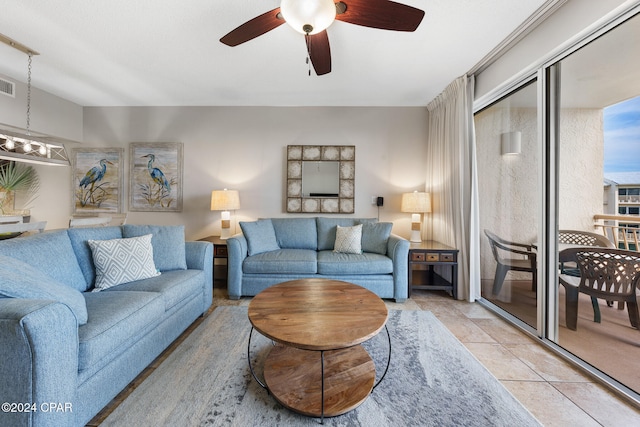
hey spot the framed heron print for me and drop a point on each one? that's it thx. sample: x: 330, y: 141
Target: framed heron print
x: 96, y: 180
x: 155, y: 177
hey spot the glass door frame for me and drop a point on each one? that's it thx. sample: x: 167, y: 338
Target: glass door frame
x: 547, y: 74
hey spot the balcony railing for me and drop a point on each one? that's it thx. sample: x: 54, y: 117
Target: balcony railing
x: 622, y: 230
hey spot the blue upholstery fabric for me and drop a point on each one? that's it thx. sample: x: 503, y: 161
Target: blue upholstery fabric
x: 327, y: 229
x: 296, y: 233
x: 20, y: 280
x: 116, y: 318
x: 383, y: 273
x: 291, y: 261
x: 79, y: 238
x: 174, y: 286
x: 375, y: 236
x: 330, y: 262
x: 39, y: 359
x: 125, y: 331
x: 260, y: 236
x: 50, y: 253
x: 167, y: 242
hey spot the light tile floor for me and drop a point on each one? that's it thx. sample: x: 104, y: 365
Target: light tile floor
x: 553, y: 390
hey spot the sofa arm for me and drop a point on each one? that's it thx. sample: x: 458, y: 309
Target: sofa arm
x: 39, y: 362
x: 398, y: 251
x: 200, y: 257
x: 236, y: 253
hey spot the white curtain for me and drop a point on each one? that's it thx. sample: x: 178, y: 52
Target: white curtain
x: 451, y: 180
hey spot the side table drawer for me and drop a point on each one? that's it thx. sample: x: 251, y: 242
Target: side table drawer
x: 220, y: 251
x: 446, y: 257
x: 433, y: 257
x: 418, y: 256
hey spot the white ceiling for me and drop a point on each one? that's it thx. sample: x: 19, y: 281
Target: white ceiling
x: 167, y: 53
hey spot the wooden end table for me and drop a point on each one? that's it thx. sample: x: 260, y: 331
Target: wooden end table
x: 219, y: 252
x: 427, y: 254
x: 318, y: 367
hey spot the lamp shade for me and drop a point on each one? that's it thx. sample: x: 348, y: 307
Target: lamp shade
x: 308, y: 16
x: 416, y: 202
x: 225, y: 200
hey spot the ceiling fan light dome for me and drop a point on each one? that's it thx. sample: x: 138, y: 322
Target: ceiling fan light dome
x: 300, y: 14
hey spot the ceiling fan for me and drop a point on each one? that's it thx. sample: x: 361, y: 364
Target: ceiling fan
x: 313, y: 17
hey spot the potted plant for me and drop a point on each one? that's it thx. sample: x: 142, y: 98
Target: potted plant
x: 17, y: 177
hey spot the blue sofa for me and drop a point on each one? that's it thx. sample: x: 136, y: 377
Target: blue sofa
x: 66, y: 350
x: 304, y: 248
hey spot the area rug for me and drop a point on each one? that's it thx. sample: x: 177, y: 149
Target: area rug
x: 433, y: 380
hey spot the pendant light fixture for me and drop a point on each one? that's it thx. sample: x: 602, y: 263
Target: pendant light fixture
x: 308, y: 16
x: 24, y: 146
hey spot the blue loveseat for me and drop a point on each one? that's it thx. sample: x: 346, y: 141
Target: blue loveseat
x: 271, y: 251
x: 66, y: 350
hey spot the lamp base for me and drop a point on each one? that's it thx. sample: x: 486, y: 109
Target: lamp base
x: 415, y: 236
x: 225, y: 233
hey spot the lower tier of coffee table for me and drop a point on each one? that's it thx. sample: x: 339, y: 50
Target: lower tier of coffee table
x: 294, y: 378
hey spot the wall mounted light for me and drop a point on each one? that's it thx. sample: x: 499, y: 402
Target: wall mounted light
x: 511, y: 142
x: 416, y: 203
x: 225, y: 201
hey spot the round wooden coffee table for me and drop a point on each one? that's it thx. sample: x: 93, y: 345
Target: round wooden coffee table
x: 318, y: 367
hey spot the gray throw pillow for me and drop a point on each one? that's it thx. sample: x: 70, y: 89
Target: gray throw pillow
x: 20, y: 280
x: 260, y: 235
x: 169, y: 252
x: 375, y: 237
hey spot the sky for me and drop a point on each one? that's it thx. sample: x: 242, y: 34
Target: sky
x: 622, y: 136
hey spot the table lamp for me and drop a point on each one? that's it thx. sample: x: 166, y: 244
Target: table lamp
x: 416, y: 203
x: 225, y: 201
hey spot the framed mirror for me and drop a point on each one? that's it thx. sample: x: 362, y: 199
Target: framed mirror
x: 321, y: 178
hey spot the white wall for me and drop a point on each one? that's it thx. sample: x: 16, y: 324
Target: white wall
x: 244, y: 148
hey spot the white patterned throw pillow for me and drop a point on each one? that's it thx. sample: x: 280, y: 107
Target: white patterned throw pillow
x: 119, y: 261
x: 348, y: 239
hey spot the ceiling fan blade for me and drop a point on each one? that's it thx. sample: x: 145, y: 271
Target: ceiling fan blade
x: 382, y: 14
x: 319, y: 52
x: 253, y: 28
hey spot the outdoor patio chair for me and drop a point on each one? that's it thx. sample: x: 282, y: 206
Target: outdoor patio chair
x: 606, y: 273
x: 511, y: 256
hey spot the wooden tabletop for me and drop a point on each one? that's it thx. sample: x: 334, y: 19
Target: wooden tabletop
x: 317, y: 314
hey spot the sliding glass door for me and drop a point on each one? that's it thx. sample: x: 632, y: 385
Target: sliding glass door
x: 509, y: 193
x: 558, y: 159
x: 598, y: 180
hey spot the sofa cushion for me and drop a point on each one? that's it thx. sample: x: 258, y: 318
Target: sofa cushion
x: 337, y: 263
x: 296, y: 233
x: 287, y: 261
x: 121, y: 261
x: 49, y: 252
x: 168, y: 244
x: 260, y: 236
x: 375, y: 236
x: 20, y: 280
x: 327, y: 229
x: 174, y: 286
x: 115, y: 320
x: 79, y: 238
x: 348, y: 239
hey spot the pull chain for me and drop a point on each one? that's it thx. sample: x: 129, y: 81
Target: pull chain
x: 308, y: 41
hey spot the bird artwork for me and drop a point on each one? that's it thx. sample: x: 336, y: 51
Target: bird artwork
x: 156, y: 174
x: 161, y: 194
x: 91, y: 178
